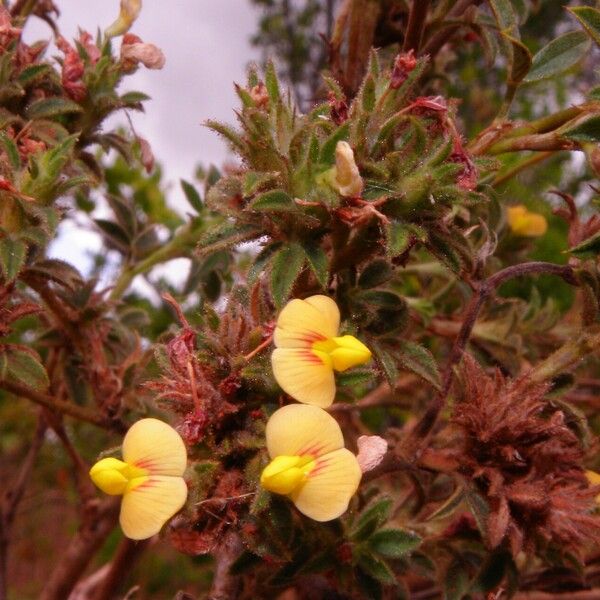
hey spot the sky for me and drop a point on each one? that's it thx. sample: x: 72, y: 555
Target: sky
x: 206, y: 45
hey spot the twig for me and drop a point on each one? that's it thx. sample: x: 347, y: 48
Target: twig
x: 522, y: 166
x: 73, y: 410
x: 12, y: 498
x: 98, y: 520
x: 258, y: 348
x: 416, y: 25
x: 128, y: 552
x: 225, y: 586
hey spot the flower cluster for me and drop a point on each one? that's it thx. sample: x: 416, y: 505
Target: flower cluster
x: 309, y: 462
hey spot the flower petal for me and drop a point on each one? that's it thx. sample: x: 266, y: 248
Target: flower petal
x: 329, y: 487
x: 300, y: 430
x: 304, y: 376
x: 302, y: 322
x: 156, y: 447
x: 148, y: 506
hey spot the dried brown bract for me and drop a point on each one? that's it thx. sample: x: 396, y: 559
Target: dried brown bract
x: 525, y: 460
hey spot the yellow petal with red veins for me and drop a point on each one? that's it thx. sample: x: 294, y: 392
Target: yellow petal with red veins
x: 149, y: 504
x: 329, y: 486
x: 305, y: 375
x: 153, y: 445
x: 302, y: 322
x: 301, y: 430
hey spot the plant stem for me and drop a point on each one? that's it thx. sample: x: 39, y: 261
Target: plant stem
x: 502, y: 178
x: 54, y: 404
x: 416, y: 25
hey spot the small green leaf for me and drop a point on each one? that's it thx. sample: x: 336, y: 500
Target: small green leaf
x: 376, y: 568
x: 504, y: 13
x: 376, y: 273
x: 585, y: 131
x: 520, y: 62
x: 419, y: 360
x: 386, y: 362
x: 133, y: 98
x: 12, y: 257
x: 590, y: 19
x: 317, y: 260
x: 273, y: 201
x: 558, y: 56
x: 260, y: 262
x: 448, y: 507
x: 192, y: 195
x: 456, y: 581
x: 286, y: 267
x: 327, y: 154
x: 398, y: 238
x: 480, y: 509
x: 25, y: 368
x: 590, y: 245
x: 11, y: 150
x: 226, y: 235
x: 32, y: 72
x: 375, y: 515
x: 271, y: 83
x: 394, y: 543
x: 47, y: 108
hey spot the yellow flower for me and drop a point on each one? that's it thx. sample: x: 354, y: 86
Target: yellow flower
x: 130, y: 9
x: 594, y: 480
x: 525, y: 223
x: 308, y: 350
x: 149, y: 477
x: 309, y: 462
x: 347, y: 176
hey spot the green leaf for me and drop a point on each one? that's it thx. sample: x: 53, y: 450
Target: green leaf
x: 520, y: 62
x: 456, y: 582
x: 192, y: 195
x: 448, y: 507
x: 386, y: 362
x: 260, y: 262
x: 133, y: 98
x: 12, y: 257
x: 398, y: 238
x: 317, y: 260
x: 419, y: 360
x: 58, y: 271
x: 11, y: 150
x: 590, y: 19
x: 24, y: 367
x: 480, y: 509
x: 375, y: 515
x: 394, y: 543
x: 376, y: 273
x: 271, y: 82
x: 286, y: 267
x: 52, y: 107
x: 273, y: 201
x: 504, y: 14
x: 327, y: 155
x: 32, y: 72
x: 585, y: 131
x: 376, y: 568
x: 226, y: 235
x: 558, y: 56
x: 590, y: 245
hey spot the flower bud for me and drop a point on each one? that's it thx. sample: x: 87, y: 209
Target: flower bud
x: 371, y: 450
x: 149, y: 55
x: 348, y: 179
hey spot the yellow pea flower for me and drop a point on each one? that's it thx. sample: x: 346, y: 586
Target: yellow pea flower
x: 309, y: 463
x: 594, y: 479
x: 130, y: 9
x: 308, y: 350
x: 526, y: 223
x: 149, y: 477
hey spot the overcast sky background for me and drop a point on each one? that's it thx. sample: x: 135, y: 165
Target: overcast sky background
x: 206, y: 45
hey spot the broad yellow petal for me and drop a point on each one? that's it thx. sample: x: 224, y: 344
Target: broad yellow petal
x: 302, y: 322
x: 147, y: 507
x: 301, y: 430
x: 153, y: 445
x: 329, y: 487
x: 304, y: 376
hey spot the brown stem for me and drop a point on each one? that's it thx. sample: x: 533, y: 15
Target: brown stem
x: 436, y: 42
x: 99, y: 519
x: 416, y: 25
x: 225, y: 586
x: 12, y: 498
x: 128, y: 552
x: 67, y: 408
